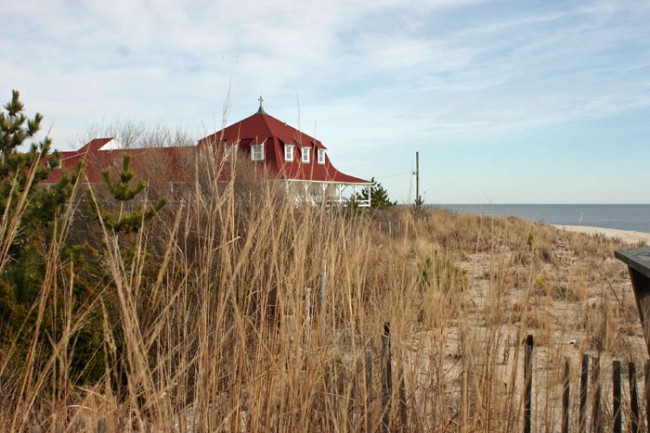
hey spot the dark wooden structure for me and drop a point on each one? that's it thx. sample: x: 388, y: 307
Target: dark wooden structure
x: 638, y: 263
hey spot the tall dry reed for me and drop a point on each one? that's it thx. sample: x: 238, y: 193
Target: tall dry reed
x: 239, y: 310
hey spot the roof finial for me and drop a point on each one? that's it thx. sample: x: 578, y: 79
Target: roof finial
x: 261, y: 110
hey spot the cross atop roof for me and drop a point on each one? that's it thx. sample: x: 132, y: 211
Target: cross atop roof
x: 261, y: 110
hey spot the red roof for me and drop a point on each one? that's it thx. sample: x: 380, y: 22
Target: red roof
x: 261, y: 128
x: 170, y: 163
x: 176, y: 164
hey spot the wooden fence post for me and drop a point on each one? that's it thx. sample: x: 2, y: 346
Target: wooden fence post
x: 368, y: 389
x: 403, y: 409
x: 387, y: 379
x: 566, y: 394
x: 616, y: 373
x: 584, y: 385
x: 634, y: 399
x: 595, y: 414
x: 528, y: 384
x: 101, y: 425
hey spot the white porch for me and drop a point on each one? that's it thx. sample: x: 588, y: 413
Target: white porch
x: 331, y: 193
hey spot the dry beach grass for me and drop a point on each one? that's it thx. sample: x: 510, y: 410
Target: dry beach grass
x: 263, y: 316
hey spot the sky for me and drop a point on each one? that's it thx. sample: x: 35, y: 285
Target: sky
x: 506, y: 101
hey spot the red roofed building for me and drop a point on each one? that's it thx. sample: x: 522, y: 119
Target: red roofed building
x: 283, y: 153
x: 287, y: 154
x: 99, y: 154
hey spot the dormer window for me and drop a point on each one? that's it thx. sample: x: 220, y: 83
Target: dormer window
x: 257, y: 152
x: 321, y: 156
x: 288, y: 152
x: 305, y: 154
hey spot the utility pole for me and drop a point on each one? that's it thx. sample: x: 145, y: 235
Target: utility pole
x: 417, y: 177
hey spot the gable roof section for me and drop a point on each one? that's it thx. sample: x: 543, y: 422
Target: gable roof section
x: 260, y: 126
x: 275, y: 134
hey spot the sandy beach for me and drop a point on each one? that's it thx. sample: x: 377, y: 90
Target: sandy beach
x: 630, y: 237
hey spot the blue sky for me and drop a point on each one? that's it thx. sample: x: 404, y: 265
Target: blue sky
x: 506, y: 101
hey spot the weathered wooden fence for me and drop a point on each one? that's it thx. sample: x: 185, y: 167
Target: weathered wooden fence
x: 589, y: 416
x: 619, y: 412
x: 342, y: 389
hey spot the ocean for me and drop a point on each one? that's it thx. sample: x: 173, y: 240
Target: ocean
x: 635, y: 217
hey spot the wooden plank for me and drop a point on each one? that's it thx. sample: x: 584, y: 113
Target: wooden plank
x: 584, y: 384
x: 387, y: 378
x: 566, y: 396
x: 368, y: 405
x: 634, y: 399
x: 597, y: 426
x: 403, y: 408
x: 616, y: 389
x: 637, y: 259
x: 528, y: 381
x: 638, y: 262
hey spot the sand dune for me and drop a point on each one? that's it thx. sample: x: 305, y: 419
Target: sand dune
x: 624, y: 235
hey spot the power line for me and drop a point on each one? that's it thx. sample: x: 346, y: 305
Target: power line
x: 394, y: 175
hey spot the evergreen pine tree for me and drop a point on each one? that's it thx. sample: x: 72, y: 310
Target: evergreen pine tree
x: 379, y: 196
x: 28, y: 211
x: 29, y: 214
x: 124, y: 191
x: 20, y: 171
